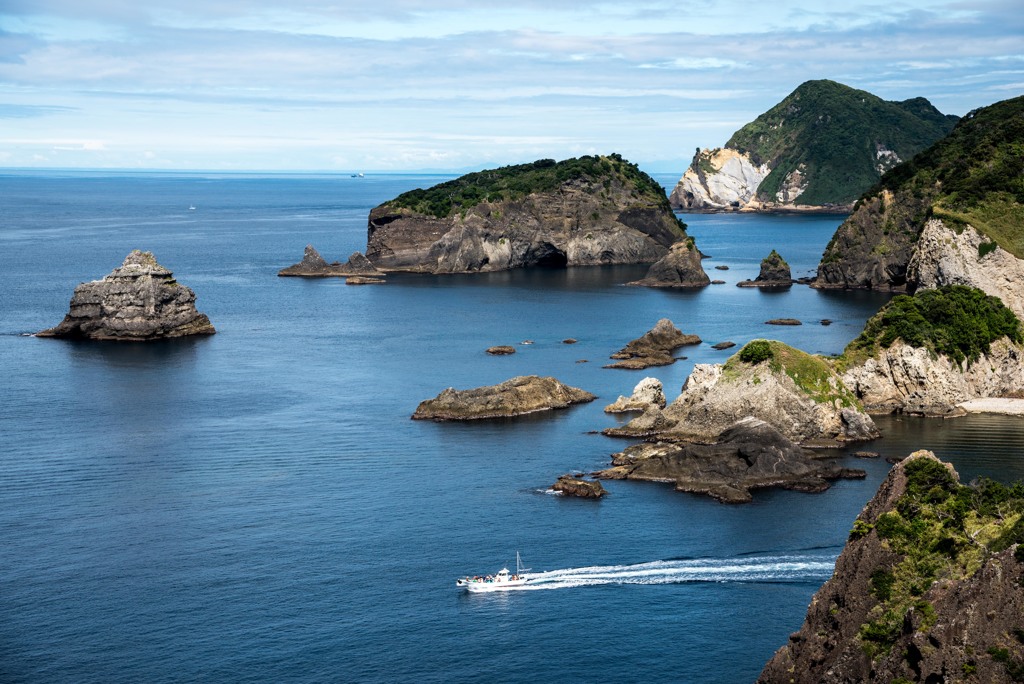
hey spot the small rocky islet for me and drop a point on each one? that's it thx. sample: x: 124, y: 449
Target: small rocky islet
x: 514, y: 397
x: 653, y: 348
x: 138, y: 301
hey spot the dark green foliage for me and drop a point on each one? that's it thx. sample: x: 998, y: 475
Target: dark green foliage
x: 833, y: 133
x: 544, y: 175
x: 985, y: 248
x: 1014, y: 666
x: 756, y: 351
x: 881, y: 584
x: 956, y: 321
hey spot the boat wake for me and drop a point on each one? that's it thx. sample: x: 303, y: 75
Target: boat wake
x: 777, y: 568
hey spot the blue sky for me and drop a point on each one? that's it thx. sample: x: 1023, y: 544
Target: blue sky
x: 397, y: 85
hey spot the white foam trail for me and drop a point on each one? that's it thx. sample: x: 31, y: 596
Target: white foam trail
x: 786, y: 568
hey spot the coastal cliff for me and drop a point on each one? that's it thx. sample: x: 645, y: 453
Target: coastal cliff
x: 817, y: 150
x: 584, y: 211
x: 927, y: 589
x: 928, y: 353
x: 138, y: 301
x: 962, y: 193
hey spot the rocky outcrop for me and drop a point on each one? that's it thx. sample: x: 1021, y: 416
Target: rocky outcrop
x: 501, y: 350
x: 315, y: 266
x: 750, y: 454
x: 817, y: 150
x: 798, y: 394
x: 775, y: 272
x: 653, y: 348
x: 680, y: 268
x: 586, y: 211
x: 138, y: 301
x: 935, y: 597
x: 914, y: 380
x: 570, y: 485
x: 648, y: 392
x: 515, y: 397
x: 718, y: 180
x: 943, y: 256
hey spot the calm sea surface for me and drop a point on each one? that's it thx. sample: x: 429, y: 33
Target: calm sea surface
x: 257, y: 506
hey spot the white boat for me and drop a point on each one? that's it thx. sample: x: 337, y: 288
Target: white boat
x: 499, y: 581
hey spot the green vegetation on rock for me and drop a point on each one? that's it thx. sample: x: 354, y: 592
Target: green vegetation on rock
x: 812, y: 374
x: 955, y: 321
x: 939, y: 530
x: 838, y: 138
x: 596, y: 173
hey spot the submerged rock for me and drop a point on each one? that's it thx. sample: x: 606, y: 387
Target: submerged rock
x: 138, y: 301
x: 749, y: 454
x: 568, y: 485
x: 515, y: 397
x: 775, y: 272
x: 653, y: 348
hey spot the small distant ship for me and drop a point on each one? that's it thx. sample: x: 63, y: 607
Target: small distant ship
x: 499, y: 581
x: 357, y: 175
x: 191, y: 207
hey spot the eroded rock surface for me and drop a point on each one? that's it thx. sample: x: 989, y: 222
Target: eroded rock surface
x: 775, y: 272
x: 680, y: 268
x: 648, y: 392
x: 515, y: 397
x: 315, y: 266
x: 138, y: 301
x: 569, y: 485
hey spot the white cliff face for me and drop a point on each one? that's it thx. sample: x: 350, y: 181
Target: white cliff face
x: 909, y: 380
x: 648, y: 392
x: 943, y: 257
x: 793, y: 186
x: 731, y: 182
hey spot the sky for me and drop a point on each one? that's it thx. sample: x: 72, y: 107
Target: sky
x: 404, y: 85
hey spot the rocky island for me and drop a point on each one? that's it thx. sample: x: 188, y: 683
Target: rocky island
x: 774, y: 272
x: 798, y: 394
x: 819, y: 149
x: 680, y: 268
x: 749, y: 454
x: 954, y: 215
x: 927, y: 589
x: 653, y: 348
x: 138, y: 301
x: 515, y: 397
x: 590, y: 210
x: 315, y: 266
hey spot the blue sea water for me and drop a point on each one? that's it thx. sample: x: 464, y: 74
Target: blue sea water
x: 257, y: 506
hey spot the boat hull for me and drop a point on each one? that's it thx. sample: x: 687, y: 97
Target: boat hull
x: 480, y: 586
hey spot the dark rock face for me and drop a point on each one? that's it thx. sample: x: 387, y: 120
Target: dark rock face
x: 681, y: 268
x: 569, y: 485
x: 775, y: 272
x: 138, y: 301
x: 783, y: 321
x: 515, y: 397
x: 653, y: 348
x: 315, y: 266
x: 750, y: 454
x: 728, y: 344
x: 964, y: 627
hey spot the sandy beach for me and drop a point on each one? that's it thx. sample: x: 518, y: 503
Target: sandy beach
x: 1010, y: 407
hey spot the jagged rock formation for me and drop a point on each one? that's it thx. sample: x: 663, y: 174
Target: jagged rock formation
x: 138, y: 301
x: 648, y: 392
x: 569, y: 485
x: 515, y: 397
x: 798, y: 394
x: 585, y: 211
x: 775, y: 272
x: 681, y: 267
x: 928, y: 353
x: 749, y: 454
x: 962, y: 192
x: 653, y: 348
x: 817, y: 150
x: 927, y: 589
x: 315, y: 266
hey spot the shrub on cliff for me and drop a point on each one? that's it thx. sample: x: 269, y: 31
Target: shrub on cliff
x: 955, y: 321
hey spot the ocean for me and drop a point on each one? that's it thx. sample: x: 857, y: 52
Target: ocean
x: 257, y: 506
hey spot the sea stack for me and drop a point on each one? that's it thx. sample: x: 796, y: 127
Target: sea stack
x: 775, y: 272
x: 136, y: 302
